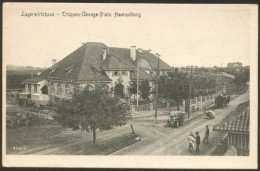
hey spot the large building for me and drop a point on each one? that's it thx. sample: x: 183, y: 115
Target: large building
x: 96, y: 63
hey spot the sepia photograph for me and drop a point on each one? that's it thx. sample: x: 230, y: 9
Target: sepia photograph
x: 130, y: 85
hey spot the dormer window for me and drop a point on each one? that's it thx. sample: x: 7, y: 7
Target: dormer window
x: 69, y: 70
x: 52, y: 70
x: 94, y: 69
x: 140, y: 51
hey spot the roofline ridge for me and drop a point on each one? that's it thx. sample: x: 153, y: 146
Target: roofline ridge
x: 66, y: 57
x: 96, y: 43
x: 84, y: 56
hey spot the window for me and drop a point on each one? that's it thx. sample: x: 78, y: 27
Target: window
x: 52, y: 87
x: 115, y: 73
x: 67, y: 88
x: 69, y: 70
x: 59, y: 89
x: 123, y: 72
x: 35, y: 88
x: 52, y: 70
x: 29, y: 88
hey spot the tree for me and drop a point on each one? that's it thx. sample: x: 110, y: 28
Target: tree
x: 174, y: 85
x: 133, y: 88
x: 145, y: 89
x: 241, y: 77
x: 91, y: 109
x: 119, y: 90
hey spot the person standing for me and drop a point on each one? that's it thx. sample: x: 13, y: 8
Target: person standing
x: 191, y: 140
x: 206, y: 136
x: 197, y: 142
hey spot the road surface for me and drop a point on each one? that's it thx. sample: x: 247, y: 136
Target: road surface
x: 160, y: 140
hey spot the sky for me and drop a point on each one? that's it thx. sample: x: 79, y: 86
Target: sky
x: 202, y: 35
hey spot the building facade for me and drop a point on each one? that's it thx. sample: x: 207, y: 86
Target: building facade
x: 94, y: 63
x: 238, y: 135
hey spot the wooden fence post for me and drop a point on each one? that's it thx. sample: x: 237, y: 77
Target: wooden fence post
x: 133, y: 129
x: 151, y: 106
x: 183, y: 105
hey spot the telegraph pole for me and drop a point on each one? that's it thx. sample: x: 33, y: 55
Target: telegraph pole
x: 137, y: 89
x: 157, y: 89
x: 190, y: 69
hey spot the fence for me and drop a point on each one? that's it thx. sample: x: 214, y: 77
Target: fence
x: 44, y: 114
x: 197, y: 103
x: 143, y: 107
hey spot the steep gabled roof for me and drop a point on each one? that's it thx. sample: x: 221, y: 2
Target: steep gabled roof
x: 142, y: 75
x: 153, y: 60
x: 83, y: 65
x: 92, y: 60
x: 150, y: 57
x: 238, y: 124
x: 86, y: 64
x: 115, y: 63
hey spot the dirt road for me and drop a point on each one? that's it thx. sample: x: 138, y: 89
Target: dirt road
x: 160, y: 140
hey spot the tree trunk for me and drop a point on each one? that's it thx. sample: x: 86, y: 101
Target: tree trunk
x: 94, y: 133
x: 177, y: 104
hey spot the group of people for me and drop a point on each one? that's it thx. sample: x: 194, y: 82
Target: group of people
x: 196, y: 140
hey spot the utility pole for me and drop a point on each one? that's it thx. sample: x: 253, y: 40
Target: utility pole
x: 137, y: 90
x: 157, y: 88
x: 191, y: 69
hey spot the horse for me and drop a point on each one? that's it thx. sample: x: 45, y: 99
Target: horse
x: 228, y: 100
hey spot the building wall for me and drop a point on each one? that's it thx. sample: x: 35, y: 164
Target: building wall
x: 240, y: 141
x: 119, y: 78
x: 53, y: 89
x: 38, y: 89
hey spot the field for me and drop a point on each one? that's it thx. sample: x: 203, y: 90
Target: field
x: 43, y: 134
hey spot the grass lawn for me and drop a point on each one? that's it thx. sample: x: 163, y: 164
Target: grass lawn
x: 29, y: 137
x: 41, y: 137
x: 108, y: 146
x: 43, y: 134
x: 101, y: 147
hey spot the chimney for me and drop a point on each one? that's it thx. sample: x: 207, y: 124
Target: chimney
x: 54, y: 61
x: 132, y: 53
x: 157, y: 55
x: 104, y: 53
x: 150, y: 51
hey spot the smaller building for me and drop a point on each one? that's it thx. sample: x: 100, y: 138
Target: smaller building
x: 237, y: 129
x: 234, y: 66
x: 36, y: 90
